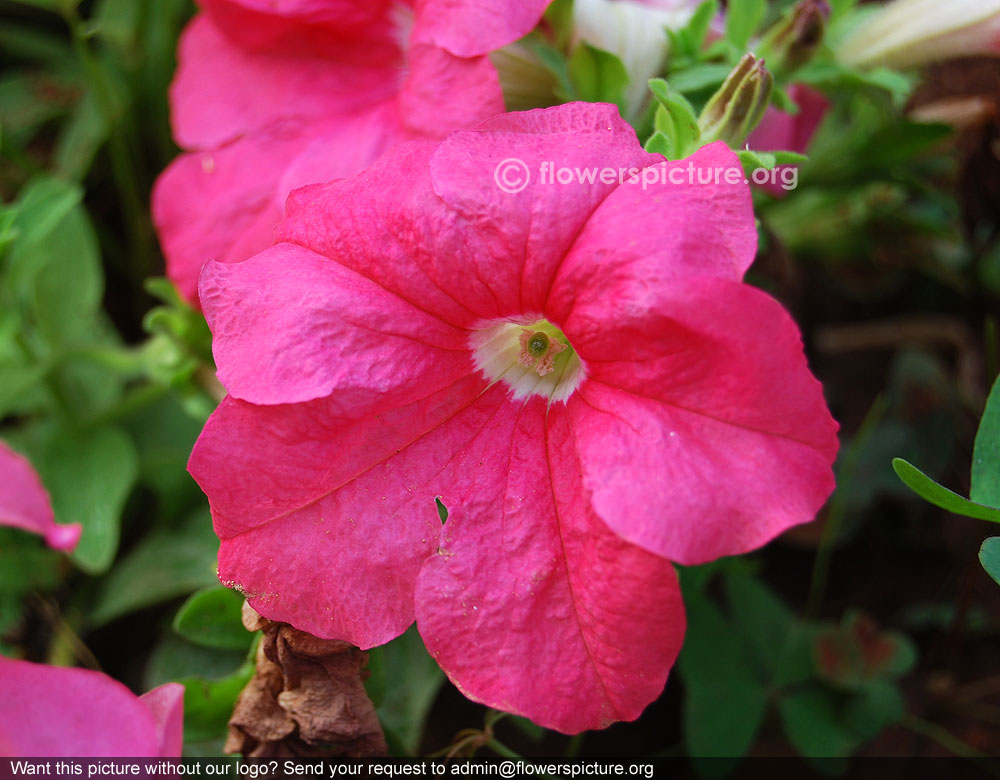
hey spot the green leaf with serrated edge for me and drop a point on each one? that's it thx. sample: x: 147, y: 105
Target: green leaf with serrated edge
x: 598, y: 76
x: 725, y: 699
x: 931, y: 491
x: 985, y: 486
x: 742, y: 20
x: 989, y: 556
x: 166, y: 564
x: 89, y: 477
x: 213, y: 617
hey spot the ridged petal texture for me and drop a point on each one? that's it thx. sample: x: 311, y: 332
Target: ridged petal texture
x: 354, y: 401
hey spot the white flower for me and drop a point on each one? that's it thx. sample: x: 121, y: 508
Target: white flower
x: 912, y: 32
x: 634, y: 31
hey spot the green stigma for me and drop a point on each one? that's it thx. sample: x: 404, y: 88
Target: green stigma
x: 538, y: 344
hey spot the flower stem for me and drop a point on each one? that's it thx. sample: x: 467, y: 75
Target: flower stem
x: 502, y: 750
x: 942, y: 737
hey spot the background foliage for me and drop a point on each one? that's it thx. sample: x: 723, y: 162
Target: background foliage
x: 872, y: 631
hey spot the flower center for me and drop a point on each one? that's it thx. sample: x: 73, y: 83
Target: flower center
x: 533, y: 357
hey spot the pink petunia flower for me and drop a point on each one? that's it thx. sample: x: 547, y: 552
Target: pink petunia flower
x: 59, y: 712
x: 274, y: 94
x: 376, y: 358
x: 779, y: 131
x: 25, y: 504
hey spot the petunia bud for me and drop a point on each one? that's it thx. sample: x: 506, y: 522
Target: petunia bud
x: 738, y: 106
x: 907, y: 33
x: 794, y: 39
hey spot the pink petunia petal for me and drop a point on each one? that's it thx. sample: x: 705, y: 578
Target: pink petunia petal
x: 262, y: 120
x: 25, y: 504
x: 535, y: 607
x: 166, y: 703
x: 348, y: 30
x: 222, y: 92
x: 443, y: 92
x: 220, y: 205
x: 290, y: 325
x: 471, y: 27
x: 307, y: 503
x: 437, y: 241
x: 683, y: 219
x: 59, y: 712
x: 701, y: 431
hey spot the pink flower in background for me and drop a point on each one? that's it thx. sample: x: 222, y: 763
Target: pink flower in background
x: 269, y: 96
x: 577, y: 371
x: 25, y: 504
x: 55, y: 711
x: 779, y: 131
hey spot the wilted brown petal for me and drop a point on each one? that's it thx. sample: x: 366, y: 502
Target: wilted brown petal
x: 306, y: 698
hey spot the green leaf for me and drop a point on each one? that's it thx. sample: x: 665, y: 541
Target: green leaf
x: 26, y: 563
x: 28, y: 100
x: 89, y: 477
x: 699, y: 77
x: 174, y: 658
x: 989, y: 556
x: 725, y: 700
x: 17, y: 382
x: 208, y: 704
x: 701, y: 20
x: 742, y: 20
x: 752, y: 161
x: 164, y: 434
x: 873, y: 708
x: 660, y: 143
x: 213, y: 618
x: 985, y: 487
x: 763, y: 619
x: 79, y: 138
x: 598, y: 76
x: 69, y: 283
x: 811, y: 720
x: 687, y: 43
x: 166, y: 564
x: 789, y: 158
x: 42, y: 204
x: 410, y: 681
x: 931, y: 491
x: 676, y: 118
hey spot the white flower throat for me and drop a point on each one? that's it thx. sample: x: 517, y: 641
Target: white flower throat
x: 532, y: 357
